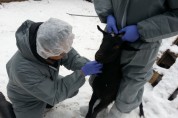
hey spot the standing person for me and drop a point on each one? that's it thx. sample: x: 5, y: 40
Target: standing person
x: 144, y: 24
x: 34, y: 80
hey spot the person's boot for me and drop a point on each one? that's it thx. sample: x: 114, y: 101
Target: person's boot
x: 115, y: 113
x: 49, y: 106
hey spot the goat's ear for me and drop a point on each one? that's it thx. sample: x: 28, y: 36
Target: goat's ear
x: 104, y: 33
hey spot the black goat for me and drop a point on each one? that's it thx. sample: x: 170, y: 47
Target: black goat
x: 6, y: 110
x: 105, y: 85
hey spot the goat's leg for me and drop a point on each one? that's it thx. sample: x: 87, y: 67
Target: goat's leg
x: 103, y: 104
x: 141, y: 110
x: 91, y: 104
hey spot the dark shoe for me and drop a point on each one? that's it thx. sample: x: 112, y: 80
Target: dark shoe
x: 49, y: 106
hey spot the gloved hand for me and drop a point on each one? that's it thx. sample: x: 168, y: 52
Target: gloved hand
x: 111, y: 25
x: 92, y: 67
x: 130, y: 33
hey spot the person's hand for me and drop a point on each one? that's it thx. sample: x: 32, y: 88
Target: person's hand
x: 111, y: 25
x: 130, y: 33
x: 92, y: 67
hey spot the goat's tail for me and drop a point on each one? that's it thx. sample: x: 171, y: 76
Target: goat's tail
x: 6, y: 110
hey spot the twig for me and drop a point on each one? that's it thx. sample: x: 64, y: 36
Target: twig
x: 80, y: 15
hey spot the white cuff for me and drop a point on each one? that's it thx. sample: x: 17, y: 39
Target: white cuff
x: 115, y: 113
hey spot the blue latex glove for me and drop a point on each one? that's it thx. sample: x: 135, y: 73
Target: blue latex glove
x: 111, y: 25
x: 92, y: 67
x: 130, y: 33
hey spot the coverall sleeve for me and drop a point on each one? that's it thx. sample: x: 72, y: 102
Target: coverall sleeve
x: 160, y: 26
x: 46, y: 90
x: 103, y: 8
x: 73, y: 61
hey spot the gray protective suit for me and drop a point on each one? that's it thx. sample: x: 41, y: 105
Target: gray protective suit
x: 33, y: 83
x: 155, y: 19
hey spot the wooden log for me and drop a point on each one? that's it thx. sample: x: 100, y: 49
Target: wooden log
x: 173, y: 95
x: 156, y: 78
x: 176, y: 42
x: 167, y: 60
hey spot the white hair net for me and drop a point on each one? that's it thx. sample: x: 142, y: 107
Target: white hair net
x: 53, y: 38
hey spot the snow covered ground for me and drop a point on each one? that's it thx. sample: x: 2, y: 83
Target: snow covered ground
x: 87, y: 40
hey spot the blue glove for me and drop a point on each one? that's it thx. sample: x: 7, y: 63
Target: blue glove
x: 92, y: 67
x: 130, y: 33
x: 111, y: 25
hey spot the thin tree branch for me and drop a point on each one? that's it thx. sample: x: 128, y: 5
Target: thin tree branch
x: 80, y: 15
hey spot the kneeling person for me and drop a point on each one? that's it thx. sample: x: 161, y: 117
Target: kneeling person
x: 33, y: 71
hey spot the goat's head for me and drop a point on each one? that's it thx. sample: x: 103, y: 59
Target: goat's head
x: 109, y: 47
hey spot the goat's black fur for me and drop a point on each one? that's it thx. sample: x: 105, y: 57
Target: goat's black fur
x: 6, y: 110
x: 105, y: 85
